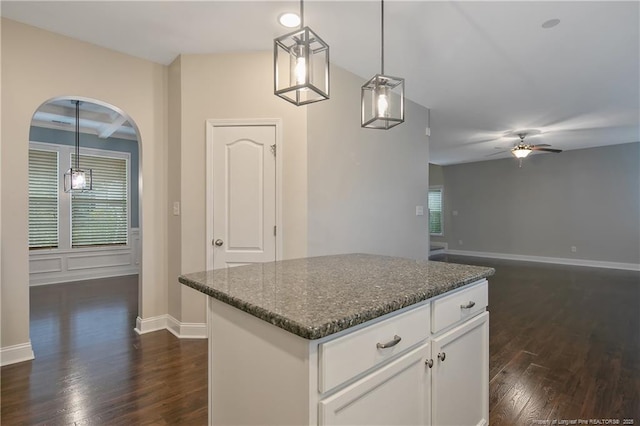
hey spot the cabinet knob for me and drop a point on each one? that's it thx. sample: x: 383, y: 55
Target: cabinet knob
x: 218, y: 242
x: 395, y: 341
x: 442, y: 356
x: 429, y: 363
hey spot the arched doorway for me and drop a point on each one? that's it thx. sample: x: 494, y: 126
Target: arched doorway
x: 89, y: 242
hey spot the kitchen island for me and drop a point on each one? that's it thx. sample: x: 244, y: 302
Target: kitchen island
x: 347, y: 339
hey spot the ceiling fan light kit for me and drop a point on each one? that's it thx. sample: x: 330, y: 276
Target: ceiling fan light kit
x: 301, y: 66
x: 76, y: 179
x: 382, y: 97
x: 522, y: 150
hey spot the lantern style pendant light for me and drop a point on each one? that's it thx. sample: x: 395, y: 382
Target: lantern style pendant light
x: 382, y: 97
x: 301, y: 65
x: 76, y: 179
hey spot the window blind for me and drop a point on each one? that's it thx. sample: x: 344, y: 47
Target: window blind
x: 435, y: 211
x: 99, y: 217
x: 43, y: 199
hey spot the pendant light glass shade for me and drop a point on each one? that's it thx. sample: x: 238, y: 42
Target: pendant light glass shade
x: 382, y: 97
x: 382, y: 100
x: 77, y: 179
x: 301, y: 66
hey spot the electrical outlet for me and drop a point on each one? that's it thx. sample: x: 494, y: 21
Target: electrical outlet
x: 176, y: 208
x: 574, y: 249
x: 455, y: 212
x: 459, y: 242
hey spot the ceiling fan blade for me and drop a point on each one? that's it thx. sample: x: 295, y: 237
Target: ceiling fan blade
x: 535, y: 148
x: 496, y: 153
x: 541, y: 144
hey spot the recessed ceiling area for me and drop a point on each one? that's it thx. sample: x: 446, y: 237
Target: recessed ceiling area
x: 94, y: 119
x: 485, y: 69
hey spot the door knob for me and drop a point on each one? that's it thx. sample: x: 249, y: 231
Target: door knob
x: 218, y: 242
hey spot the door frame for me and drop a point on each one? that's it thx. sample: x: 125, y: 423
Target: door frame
x: 211, y: 124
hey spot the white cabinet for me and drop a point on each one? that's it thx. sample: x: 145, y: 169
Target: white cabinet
x: 395, y: 394
x: 385, y: 372
x: 460, y: 374
x: 445, y: 381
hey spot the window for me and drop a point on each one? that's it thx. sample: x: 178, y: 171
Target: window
x: 99, y: 217
x: 435, y: 211
x: 65, y: 221
x: 43, y: 199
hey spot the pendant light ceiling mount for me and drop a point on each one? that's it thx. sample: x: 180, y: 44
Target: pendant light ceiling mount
x: 301, y: 65
x: 382, y: 97
x: 77, y: 179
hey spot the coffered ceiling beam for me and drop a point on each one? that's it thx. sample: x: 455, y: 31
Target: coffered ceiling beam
x: 112, y: 128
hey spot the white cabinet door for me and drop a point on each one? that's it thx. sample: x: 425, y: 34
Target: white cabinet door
x: 396, y: 394
x: 460, y: 381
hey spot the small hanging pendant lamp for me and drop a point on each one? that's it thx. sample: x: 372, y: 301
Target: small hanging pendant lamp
x: 382, y: 97
x: 301, y: 65
x: 76, y: 179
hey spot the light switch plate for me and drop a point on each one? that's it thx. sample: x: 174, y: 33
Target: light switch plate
x: 419, y: 210
x: 176, y: 208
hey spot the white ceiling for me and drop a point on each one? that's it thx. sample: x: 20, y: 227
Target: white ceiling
x: 486, y: 69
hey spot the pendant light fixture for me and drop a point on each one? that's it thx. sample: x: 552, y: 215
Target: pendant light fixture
x: 301, y: 65
x: 382, y: 97
x: 76, y: 179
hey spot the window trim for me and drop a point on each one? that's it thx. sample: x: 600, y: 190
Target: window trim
x: 441, y: 189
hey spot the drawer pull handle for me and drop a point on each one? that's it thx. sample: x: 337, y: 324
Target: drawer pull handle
x: 395, y: 341
x: 469, y: 305
x: 442, y: 356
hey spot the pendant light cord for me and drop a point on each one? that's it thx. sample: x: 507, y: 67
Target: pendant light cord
x: 382, y: 37
x: 77, y: 134
x: 301, y: 14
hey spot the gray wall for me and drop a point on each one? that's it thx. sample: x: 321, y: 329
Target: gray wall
x: 62, y: 137
x: 364, y: 185
x: 588, y: 198
x: 436, y: 178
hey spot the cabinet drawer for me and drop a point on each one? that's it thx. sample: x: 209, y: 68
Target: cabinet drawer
x: 453, y: 308
x: 345, y: 357
x: 395, y: 394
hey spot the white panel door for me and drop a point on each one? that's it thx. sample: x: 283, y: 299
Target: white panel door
x: 244, y: 195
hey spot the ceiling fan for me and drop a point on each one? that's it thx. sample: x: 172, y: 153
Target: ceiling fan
x: 522, y: 149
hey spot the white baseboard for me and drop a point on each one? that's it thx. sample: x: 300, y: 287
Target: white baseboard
x: 16, y: 353
x: 182, y: 330
x: 186, y: 330
x: 151, y: 324
x: 554, y: 260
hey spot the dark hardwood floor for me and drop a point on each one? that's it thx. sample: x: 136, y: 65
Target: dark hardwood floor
x: 564, y: 345
x: 92, y: 368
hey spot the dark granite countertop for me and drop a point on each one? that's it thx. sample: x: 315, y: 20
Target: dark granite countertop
x: 318, y: 296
